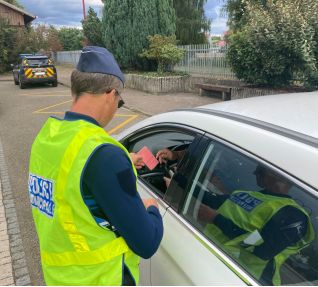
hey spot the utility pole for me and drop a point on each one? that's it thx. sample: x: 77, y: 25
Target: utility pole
x: 84, y: 11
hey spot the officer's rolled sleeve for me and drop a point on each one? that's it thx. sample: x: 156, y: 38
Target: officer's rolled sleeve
x: 109, y: 177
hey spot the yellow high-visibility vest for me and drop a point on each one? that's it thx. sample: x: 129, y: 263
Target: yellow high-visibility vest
x: 75, y: 250
x: 251, y: 210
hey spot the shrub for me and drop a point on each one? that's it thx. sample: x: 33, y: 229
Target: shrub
x: 278, y: 42
x: 164, y: 50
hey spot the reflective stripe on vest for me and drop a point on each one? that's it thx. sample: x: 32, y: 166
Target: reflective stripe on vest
x: 251, y: 214
x: 106, y: 253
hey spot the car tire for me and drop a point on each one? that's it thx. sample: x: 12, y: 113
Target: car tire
x: 55, y: 84
x: 21, y: 84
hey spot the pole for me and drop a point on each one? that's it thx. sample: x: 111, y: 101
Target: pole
x: 84, y: 11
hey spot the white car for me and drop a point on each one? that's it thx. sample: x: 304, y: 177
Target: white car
x: 226, y: 146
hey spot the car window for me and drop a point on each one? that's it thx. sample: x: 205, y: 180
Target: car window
x: 36, y: 61
x: 156, y: 140
x: 257, y: 216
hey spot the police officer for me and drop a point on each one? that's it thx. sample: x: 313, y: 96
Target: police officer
x: 260, y: 229
x: 91, y: 222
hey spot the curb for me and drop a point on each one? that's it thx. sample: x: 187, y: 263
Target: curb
x: 14, y: 256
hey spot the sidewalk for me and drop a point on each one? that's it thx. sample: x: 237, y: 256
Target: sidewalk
x: 13, y: 266
x: 144, y: 102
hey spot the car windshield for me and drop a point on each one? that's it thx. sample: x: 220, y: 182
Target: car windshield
x: 36, y: 61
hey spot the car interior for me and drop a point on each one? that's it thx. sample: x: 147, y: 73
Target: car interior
x: 155, y: 142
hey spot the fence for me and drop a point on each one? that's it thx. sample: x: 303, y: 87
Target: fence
x: 67, y: 57
x: 205, y: 60
x: 201, y: 60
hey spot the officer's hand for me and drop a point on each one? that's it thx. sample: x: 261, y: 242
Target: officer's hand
x: 206, y: 214
x: 150, y: 202
x: 137, y: 160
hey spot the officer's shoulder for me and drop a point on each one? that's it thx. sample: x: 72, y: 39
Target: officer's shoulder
x: 109, y: 152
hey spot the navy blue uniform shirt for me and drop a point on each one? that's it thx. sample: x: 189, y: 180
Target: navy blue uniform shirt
x: 109, y: 191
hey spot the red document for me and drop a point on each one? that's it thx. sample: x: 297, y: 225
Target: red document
x: 148, y: 158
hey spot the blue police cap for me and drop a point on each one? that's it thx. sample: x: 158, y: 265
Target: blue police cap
x: 95, y: 59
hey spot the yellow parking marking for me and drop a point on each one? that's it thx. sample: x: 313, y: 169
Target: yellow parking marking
x: 41, y: 111
x: 123, y: 124
x: 51, y: 94
x: 124, y: 116
x: 130, y: 117
x: 55, y: 113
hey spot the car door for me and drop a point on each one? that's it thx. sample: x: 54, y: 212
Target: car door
x: 155, y: 138
x: 234, y: 183
x: 184, y: 256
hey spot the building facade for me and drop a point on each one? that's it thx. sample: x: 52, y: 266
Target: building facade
x: 16, y: 16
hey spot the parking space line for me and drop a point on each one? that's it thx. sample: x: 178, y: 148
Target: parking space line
x: 123, y: 115
x: 51, y: 94
x: 55, y: 113
x: 131, y: 118
x: 41, y: 111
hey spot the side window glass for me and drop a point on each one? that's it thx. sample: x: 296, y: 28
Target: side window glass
x: 159, y: 178
x: 258, y: 217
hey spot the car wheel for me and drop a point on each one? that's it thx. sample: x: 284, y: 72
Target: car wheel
x: 55, y: 84
x: 21, y: 84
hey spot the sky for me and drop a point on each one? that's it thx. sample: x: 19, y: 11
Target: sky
x: 69, y: 13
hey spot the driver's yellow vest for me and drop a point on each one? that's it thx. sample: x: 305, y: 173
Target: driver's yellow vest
x: 75, y: 250
x: 251, y: 210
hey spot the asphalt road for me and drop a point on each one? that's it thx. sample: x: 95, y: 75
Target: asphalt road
x: 22, y: 114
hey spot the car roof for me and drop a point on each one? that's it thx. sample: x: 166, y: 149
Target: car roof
x: 294, y: 111
x: 287, y: 123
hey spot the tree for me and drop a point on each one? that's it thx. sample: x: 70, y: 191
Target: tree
x: 236, y: 12
x: 7, y: 35
x: 15, y: 3
x: 164, y: 50
x: 127, y: 23
x: 71, y: 38
x: 92, y: 28
x: 35, y: 39
x: 53, y: 41
x: 277, y: 43
x: 192, y: 23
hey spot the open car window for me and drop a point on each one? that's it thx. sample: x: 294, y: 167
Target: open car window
x: 156, y: 140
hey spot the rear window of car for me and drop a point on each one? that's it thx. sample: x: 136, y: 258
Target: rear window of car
x: 36, y: 61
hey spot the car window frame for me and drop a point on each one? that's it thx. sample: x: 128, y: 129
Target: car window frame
x: 156, y: 128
